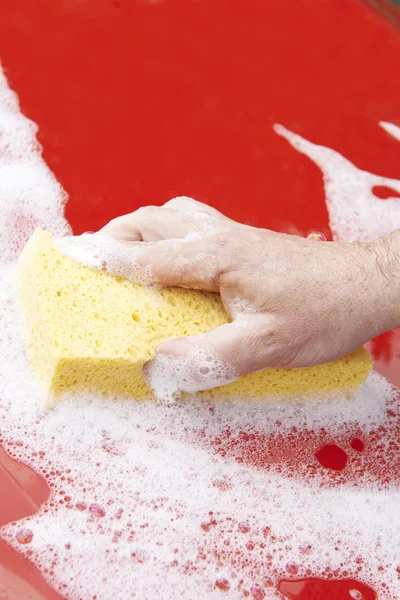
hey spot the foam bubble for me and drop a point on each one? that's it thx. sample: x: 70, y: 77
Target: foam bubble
x: 197, y: 498
x: 355, y: 213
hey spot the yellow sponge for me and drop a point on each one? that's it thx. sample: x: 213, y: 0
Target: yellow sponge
x: 89, y: 330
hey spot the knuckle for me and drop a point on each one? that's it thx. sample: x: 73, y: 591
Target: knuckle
x: 180, y: 202
x: 116, y: 223
x: 145, y: 210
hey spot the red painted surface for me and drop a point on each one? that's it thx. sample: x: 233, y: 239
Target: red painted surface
x: 317, y: 589
x: 345, y: 459
x: 140, y: 101
x: 25, y: 490
x: 22, y: 493
x: 332, y: 457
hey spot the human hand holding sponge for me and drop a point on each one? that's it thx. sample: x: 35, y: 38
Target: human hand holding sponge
x: 201, y: 302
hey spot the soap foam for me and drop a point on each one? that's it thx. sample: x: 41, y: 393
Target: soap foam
x: 102, y: 252
x: 174, y: 500
x: 355, y: 213
x: 30, y: 194
x: 134, y: 260
x: 169, y: 375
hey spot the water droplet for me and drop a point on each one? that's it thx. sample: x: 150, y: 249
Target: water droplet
x: 332, y: 457
x: 358, y: 445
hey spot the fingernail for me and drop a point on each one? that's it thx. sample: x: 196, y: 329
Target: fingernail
x: 317, y: 236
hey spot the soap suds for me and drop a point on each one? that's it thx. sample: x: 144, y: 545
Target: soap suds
x: 170, y: 375
x: 102, y: 252
x: 355, y: 213
x: 135, y: 261
x: 30, y: 194
x: 194, y: 499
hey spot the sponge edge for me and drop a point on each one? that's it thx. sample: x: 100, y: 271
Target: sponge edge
x: 90, y: 331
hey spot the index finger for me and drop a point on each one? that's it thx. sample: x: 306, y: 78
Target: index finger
x: 195, y: 264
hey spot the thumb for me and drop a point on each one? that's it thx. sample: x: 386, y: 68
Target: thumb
x: 212, y: 359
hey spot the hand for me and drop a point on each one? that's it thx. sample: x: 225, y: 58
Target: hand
x: 294, y: 302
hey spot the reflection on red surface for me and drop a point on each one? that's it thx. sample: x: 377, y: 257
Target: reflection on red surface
x: 22, y: 490
x: 318, y: 589
x: 22, y: 493
x: 20, y: 580
x: 385, y: 351
x: 140, y: 101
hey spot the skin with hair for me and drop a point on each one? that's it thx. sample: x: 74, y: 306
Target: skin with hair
x: 300, y: 302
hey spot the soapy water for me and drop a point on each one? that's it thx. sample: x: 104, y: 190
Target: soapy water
x: 355, y: 213
x: 197, y: 499
x: 24, y: 176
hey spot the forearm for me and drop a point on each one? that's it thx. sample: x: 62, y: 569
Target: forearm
x: 384, y: 267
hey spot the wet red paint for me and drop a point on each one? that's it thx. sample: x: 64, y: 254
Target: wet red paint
x: 352, y: 457
x: 22, y: 490
x: 22, y: 493
x: 318, y: 589
x: 332, y: 457
x: 383, y: 192
x: 137, y: 102
x: 358, y: 445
